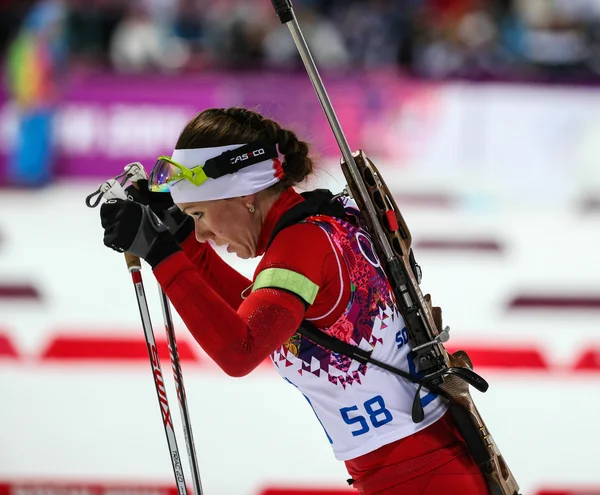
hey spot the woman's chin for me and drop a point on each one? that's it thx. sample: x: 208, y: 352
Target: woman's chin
x: 242, y: 253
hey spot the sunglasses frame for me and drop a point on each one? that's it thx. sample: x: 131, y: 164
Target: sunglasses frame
x: 194, y: 175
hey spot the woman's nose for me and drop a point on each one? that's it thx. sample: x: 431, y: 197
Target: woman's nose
x: 202, y: 233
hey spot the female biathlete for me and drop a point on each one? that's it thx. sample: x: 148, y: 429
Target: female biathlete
x: 230, y: 181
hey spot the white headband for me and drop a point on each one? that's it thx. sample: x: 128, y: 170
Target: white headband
x: 247, y: 180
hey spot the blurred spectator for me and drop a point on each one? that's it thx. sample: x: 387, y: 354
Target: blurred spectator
x: 35, y: 62
x: 375, y: 32
x: 11, y: 15
x: 526, y: 39
x: 235, y: 30
x: 141, y: 43
x: 326, y: 43
x: 90, y: 28
x: 555, y: 39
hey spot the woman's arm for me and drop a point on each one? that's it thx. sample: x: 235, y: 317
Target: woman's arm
x: 238, y: 341
x: 222, y: 278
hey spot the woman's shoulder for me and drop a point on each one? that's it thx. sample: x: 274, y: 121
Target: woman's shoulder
x: 301, y: 240
x: 308, y: 250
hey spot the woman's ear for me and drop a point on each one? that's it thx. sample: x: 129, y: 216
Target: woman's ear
x: 249, y: 200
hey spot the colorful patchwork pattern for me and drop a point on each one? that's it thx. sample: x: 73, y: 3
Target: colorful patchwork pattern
x: 367, y: 314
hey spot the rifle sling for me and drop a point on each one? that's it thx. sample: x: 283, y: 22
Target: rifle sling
x: 464, y: 424
x: 311, y: 332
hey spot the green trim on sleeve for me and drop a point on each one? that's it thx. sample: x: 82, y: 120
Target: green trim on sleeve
x: 281, y: 278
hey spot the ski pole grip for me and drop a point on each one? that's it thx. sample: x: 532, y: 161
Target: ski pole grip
x: 283, y: 8
x: 133, y: 262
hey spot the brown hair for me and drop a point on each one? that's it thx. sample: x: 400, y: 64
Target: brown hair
x: 224, y: 126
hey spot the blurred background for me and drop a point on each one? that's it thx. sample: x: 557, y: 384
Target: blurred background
x: 484, y: 116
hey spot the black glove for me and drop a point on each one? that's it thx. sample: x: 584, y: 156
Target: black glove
x: 134, y: 228
x: 178, y: 223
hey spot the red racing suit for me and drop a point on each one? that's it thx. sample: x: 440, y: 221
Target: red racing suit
x: 239, y: 334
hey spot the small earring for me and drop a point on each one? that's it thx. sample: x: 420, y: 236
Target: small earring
x: 251, y: 208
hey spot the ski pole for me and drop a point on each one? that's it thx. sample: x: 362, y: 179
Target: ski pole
x: 134, y: 267
x: 181, y: 395
x: 113, y: 189
x: 135, y: 172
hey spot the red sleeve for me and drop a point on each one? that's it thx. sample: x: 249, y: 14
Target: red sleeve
x: 237, y: 341
x: 222, y: 278
x: 305, y: 248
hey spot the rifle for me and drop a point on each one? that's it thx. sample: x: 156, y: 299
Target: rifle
x: 447, y: 374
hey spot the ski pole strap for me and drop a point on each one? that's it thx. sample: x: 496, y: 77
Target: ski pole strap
x: 105, y: 188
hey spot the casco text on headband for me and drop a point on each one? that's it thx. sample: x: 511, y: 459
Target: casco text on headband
x: 228, y: 162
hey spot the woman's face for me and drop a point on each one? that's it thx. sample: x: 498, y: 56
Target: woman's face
x: 227, y: 222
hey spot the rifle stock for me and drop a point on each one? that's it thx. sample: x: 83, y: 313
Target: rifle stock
x: 424, y: 325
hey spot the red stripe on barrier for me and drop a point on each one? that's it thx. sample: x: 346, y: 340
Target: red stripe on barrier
x: 19, y: 292
x: 70, y: 348
x: 57, y: 488
x: 504, y: 358
x: 481, y: 246
x: 115, y: 349
x: 73, y: 348
x: 306, y: 491
x: 555, y: 302
x: 7, y: 350
x: 589, y: 361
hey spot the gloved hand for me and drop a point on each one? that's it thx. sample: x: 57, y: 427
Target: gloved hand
x: 178, y: 223
x: 134, y: 228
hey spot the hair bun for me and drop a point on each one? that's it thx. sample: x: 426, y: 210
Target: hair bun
x: 296, y: 163
x: 282, y: 140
